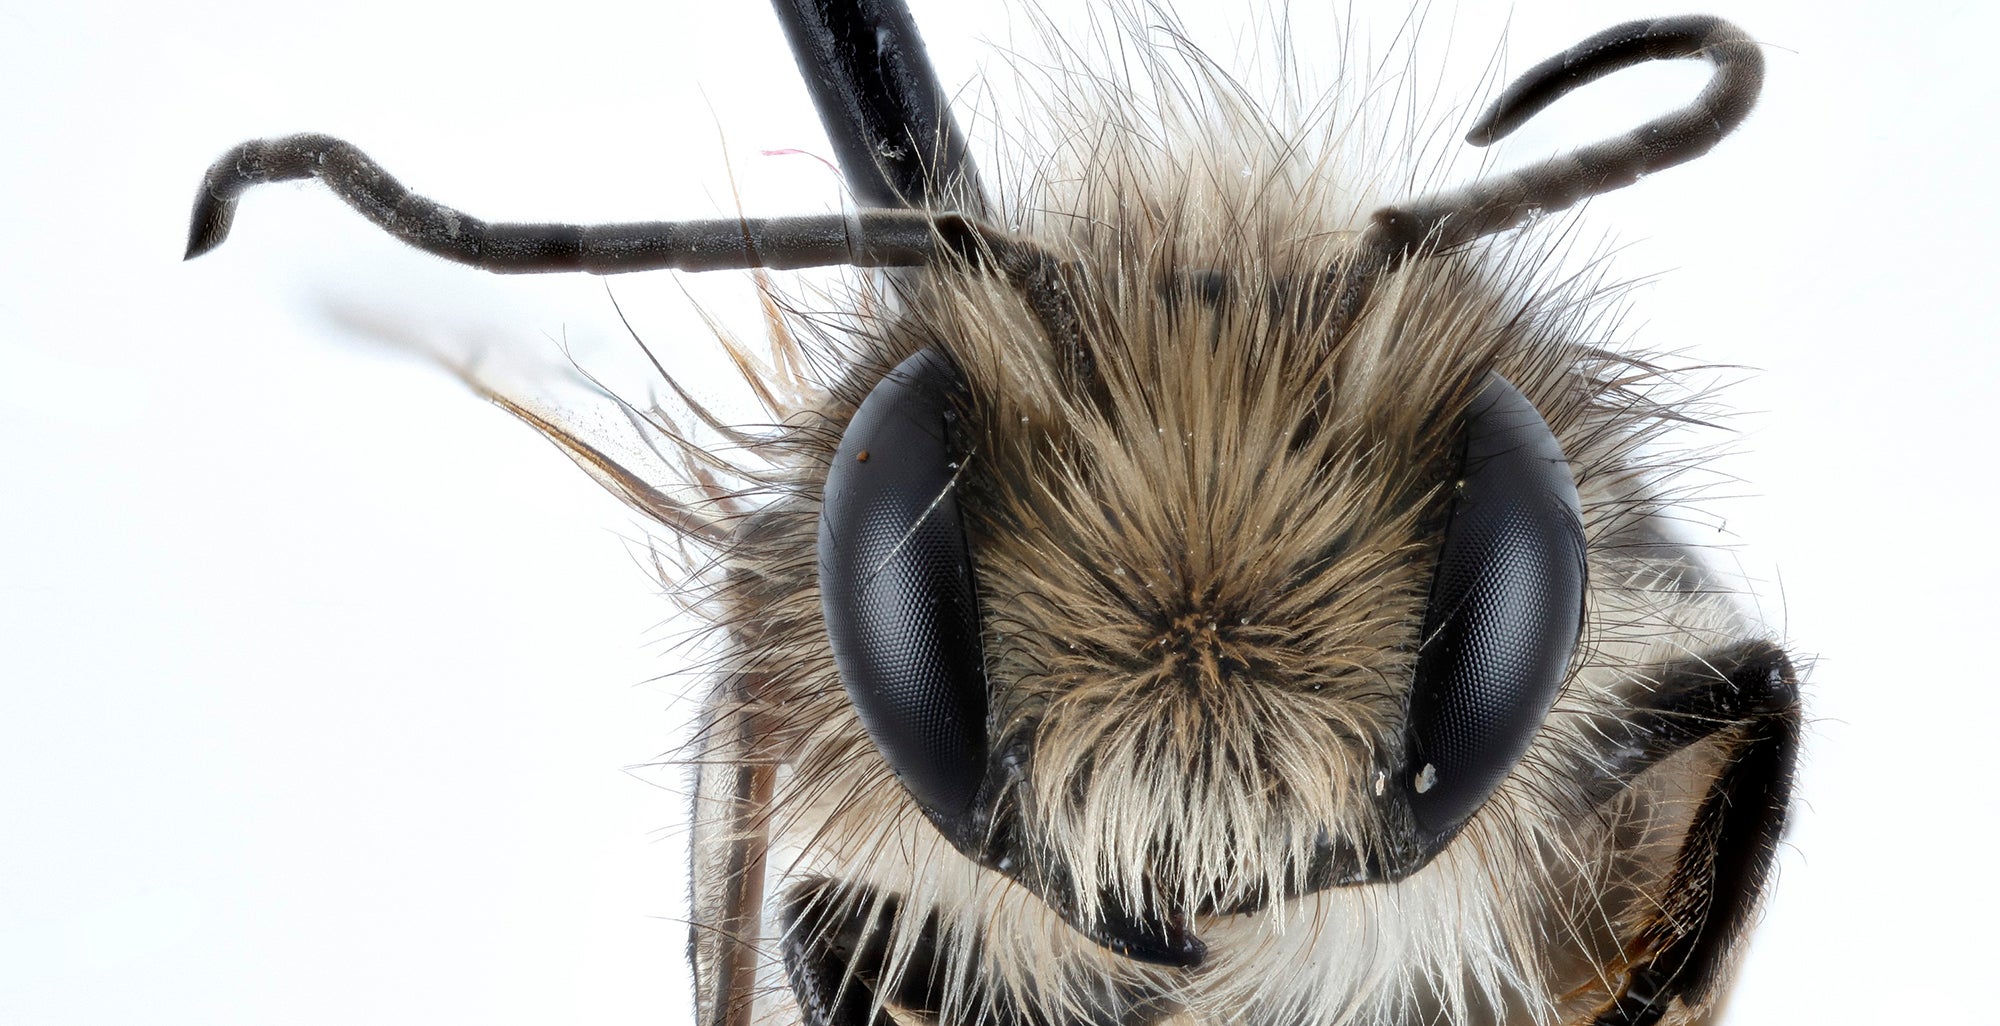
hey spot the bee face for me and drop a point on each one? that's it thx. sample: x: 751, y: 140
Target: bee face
x: 1190, y: 719
x: 1204, y: 576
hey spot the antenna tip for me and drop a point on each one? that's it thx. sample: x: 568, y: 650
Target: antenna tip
x: 209, y: 223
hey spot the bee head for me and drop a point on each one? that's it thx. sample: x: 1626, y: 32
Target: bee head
x: 1267, y: 602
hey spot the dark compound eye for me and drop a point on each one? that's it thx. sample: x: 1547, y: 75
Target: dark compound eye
x: 1505, y: 609
x: 897, y: 591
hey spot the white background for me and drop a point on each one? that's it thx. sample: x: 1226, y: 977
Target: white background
x: 328, y: 690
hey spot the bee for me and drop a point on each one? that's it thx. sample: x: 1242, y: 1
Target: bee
x: 1182, y: 590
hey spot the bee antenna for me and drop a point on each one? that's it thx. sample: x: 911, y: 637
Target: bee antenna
x: 1442, y: 222
x: 865, y: 238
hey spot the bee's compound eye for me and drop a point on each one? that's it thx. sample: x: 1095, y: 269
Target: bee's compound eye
x: 1505, y: 609
x: 896, y: 586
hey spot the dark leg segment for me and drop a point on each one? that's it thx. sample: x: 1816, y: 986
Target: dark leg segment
x: 1746, y: 700
x: 836, y: 945
x: 878, y: 96
x: 836, y: 940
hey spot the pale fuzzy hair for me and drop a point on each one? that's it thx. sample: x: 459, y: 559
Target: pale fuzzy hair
x: 1202, y: 582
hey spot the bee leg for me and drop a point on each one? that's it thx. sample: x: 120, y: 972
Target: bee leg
x: 836, y: 942
x: 836, y: 950
x: 878, y: 96
x: 1745, y: 700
